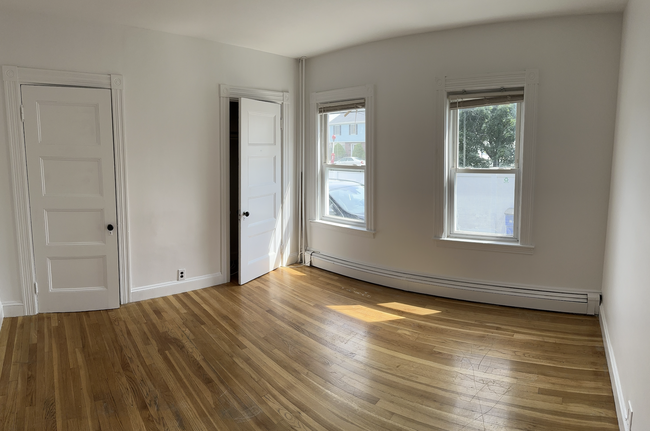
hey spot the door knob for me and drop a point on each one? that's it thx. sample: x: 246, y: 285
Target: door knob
x: 245, y: 214
x: 110, y: 228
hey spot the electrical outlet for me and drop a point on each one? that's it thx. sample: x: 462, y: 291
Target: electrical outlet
x: 181, y: 275
x: 629, y: 415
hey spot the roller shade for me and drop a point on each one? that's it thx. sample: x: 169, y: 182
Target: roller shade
x: 347, y: 105
x: 485, y: 98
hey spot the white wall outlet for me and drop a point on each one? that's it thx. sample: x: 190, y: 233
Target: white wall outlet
x: 181, y: 275
x: 629, y: 415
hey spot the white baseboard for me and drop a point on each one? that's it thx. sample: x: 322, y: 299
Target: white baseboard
x: 617, y: 389
x: 174, y: 287
x: 535, y: 297
x: 2, y: 315
x: 13, y: 309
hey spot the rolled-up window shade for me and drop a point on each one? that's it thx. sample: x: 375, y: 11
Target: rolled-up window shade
x: 489, y: 98
x: 346, y: 105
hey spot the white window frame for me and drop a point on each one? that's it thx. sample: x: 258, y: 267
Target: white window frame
x: 522, y: 241
x: 319, y: 203
x: 454, y: 170
x: 353, y: 129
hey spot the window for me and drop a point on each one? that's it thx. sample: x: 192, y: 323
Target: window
x: 485, y: 187
x: 343, y: 174
x: 484, y: 164
x: 344, y: 161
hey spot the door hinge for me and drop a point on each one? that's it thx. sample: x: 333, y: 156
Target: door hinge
x: 36, y: 288
x: 22, y: 113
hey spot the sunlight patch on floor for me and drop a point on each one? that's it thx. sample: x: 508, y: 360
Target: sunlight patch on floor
x: 364, y: 313
x: 409, y: 308
x: 292, y: 271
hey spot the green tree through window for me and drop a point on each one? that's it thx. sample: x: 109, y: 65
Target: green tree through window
x: 359, y: 152
x: 339, y: 151
x: 486, y: 136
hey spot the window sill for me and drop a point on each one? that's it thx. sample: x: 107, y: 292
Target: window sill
x: 485, y: 245
x: 342, y: 228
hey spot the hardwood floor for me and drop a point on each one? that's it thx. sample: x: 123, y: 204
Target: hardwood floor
x: 304, y: 349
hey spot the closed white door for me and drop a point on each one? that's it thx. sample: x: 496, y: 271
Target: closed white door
x: 69, y: 143
x: 260, y: 188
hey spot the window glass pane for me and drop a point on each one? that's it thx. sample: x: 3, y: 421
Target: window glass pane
x: 485, y: 204
x: 486, y: 136
x: 346, y: 194
x: 346, y: 137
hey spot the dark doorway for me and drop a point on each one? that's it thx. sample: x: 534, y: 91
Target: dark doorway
x: 234, y: 190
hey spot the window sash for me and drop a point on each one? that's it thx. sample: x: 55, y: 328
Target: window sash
x: 324, y: 212
x: 454, y: 136
x: 460, y: 234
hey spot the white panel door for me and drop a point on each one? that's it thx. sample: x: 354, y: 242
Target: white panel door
x: 259, y: 188
x: 69, y: 144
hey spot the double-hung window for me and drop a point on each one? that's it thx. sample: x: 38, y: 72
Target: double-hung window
x: 484, y: 170
x: 344, y: 147
x: 343, y: 178
x: 485, y: 185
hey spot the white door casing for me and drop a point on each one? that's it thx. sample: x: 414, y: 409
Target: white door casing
x: 260, y: 188
x: 70, y: 164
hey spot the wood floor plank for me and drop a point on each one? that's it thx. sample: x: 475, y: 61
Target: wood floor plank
x: 304, y: 349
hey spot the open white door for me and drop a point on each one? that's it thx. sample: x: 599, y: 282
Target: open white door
x: 69, y: 145
x: 260, y: 188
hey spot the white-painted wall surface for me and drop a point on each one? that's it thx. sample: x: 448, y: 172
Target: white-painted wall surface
x: 578, y: 62
x: 172, y: 133
x: 626, y: 285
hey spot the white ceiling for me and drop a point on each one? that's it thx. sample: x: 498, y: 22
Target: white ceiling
x: 296, y: 28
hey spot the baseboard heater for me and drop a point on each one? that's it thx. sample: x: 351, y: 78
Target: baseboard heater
x: 539, y: 298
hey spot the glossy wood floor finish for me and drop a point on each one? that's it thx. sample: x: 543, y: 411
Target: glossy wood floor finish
x: 304, y: 349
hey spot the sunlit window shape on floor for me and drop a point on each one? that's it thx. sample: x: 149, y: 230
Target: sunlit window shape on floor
x: 293, y: 272
x: 409, y: 308
x: 364, y: 313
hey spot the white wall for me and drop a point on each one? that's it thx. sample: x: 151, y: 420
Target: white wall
x: 626, y: 285
x: 172, y: 132
x: 577, y: 58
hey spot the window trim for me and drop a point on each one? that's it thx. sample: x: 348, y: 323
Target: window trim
x: 316, y: 200
x: 529, y: 79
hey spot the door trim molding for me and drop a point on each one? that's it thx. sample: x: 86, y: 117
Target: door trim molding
x: 13, y: 78
x: 226, y: 93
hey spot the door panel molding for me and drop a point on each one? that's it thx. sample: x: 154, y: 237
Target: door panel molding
x: 13, y: 78
x: 226, y: 93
